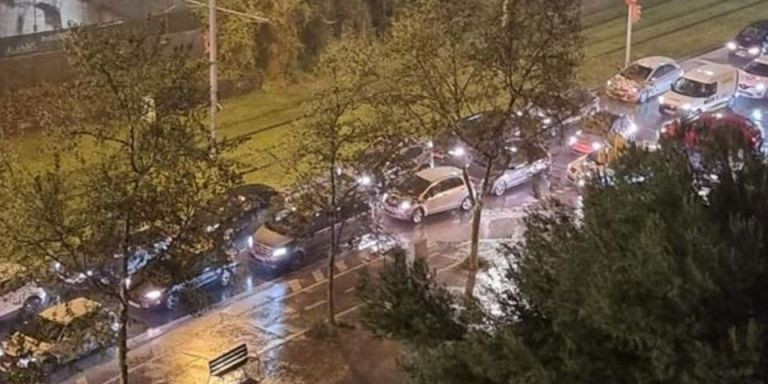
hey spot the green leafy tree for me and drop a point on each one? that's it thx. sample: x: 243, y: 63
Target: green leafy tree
x: 128, y: 165
x: 342, y: 144
x: 660, y: 281
x: 509, y: 59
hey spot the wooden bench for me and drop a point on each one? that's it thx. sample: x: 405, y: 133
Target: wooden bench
x: 228, y: 367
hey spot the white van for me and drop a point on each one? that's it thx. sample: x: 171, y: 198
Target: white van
x: 705, y: 88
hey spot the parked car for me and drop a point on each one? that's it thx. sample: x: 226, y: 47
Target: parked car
x: 289, y: 237
x: 753, y: 79
x: 155, y: 287
x: 702, y: 89
x: 59, y: 335
x: 238, y: 208
x: 18, y: 291
x: 426, y: 193
x: 644, y: 79
x: 591, y: 138
x: 691, y: 131
x: 751, y: 42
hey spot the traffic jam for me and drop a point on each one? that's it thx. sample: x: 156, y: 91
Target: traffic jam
x: 648, y: 99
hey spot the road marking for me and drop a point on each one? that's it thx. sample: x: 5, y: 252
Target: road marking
x: 295, y: 285
x: 82, y: 380
x: 314, y: 305
x: 318, y: 275
x: 365, y: 256
x: 341, y: 266
x: 348, y: 290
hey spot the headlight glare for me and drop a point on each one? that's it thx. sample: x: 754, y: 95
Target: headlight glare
x: 282, y: 251
x: 731, y: 45
x: 405, y: 205
x: 153, y: 294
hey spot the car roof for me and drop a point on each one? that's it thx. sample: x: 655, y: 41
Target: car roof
x: 438, y: 173
x: 762, y: 60
x: 725, y: 117
x: 707, y: 73
x: 65, y: 313
x: 655, y: 61
x: 760, y: 24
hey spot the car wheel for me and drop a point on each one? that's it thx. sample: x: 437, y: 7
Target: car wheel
x: 499, y: 189
x: 173, y: 300
x: 32, y: 305
x: 226, y: 278
x: 417, y: 216
x: 466, y: 204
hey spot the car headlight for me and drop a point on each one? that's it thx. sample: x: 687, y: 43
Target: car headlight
x: 153, y: 294
x: 609, y: 83
x: 250, y: 241
x: 457, y: 151
x: 405, y: 205
x: 760, y: 87
x: 279, y: 252
x: 2, y: 351
x: 572, y: 140
x: 661, y: 99
x: 547, y: 121
x: 686, y: 106
x: 731, y: 45
x: 597, y: 146
x: 754, y: 51
x: 632, y: 128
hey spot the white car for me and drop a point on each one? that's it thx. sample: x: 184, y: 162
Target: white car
x: 644, y: 79
x: 753, y: 79
x: 18, y: 292
x: 706, y: 88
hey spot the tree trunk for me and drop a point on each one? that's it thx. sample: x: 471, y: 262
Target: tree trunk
x: 122, y: 337
x: 331, y: 274
x: 477, y: 213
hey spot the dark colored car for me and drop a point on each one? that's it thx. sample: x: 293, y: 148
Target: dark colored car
x: 289, y: 238
x: 751, y: 42
x: 155, y: 287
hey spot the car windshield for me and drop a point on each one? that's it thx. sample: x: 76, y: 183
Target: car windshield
x: 692, y: 88
x: 757, y: 69
x: 414, y: 185
x: 285, y: 222
x: 752, y: 32
x: 636, y: 72
x: 42, y: 329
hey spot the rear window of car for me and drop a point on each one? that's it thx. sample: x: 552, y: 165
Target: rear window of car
x: 757, y: 69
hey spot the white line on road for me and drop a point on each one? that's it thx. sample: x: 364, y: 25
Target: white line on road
x: 295, y: 285
x: 341, y: 266
x: 350, y: 289
x: 82, y: 380
x: 314, y: 305
x: 318, y: 275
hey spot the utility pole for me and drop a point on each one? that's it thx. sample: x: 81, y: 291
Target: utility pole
x: 213, y: 56
x: 213, y: 51
x: 634, y: 12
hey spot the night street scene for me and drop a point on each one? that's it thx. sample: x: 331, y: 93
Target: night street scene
x: 384, y: 191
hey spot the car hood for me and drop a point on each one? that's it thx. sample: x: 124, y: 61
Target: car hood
x: 622, y: 83
x: 270, y: 238
x: 397, y: 196
x: 678, y: 100
x: 20, y: 343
